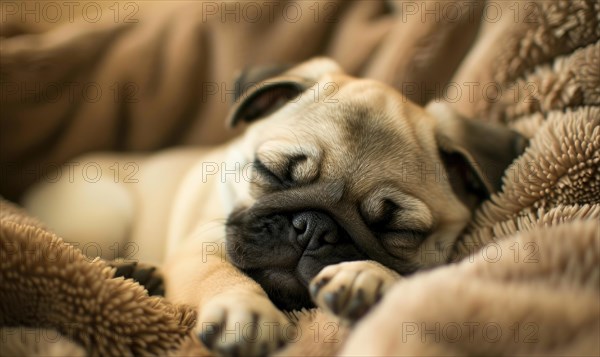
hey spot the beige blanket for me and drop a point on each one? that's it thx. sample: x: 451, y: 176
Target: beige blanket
x: 527, y: 277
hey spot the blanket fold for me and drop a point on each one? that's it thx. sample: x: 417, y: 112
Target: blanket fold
x: 46, y: 283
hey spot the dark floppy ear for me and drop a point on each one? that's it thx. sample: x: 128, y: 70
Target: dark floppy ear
x: 265, y: 98
x: 251, y: 76
x: 254, y: 98
x: 260, y: 91
x: 475, y: 153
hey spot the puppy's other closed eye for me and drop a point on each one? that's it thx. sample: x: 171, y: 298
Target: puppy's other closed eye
x: 389, y: 211
x: 382, y: 218
x: 396, y: 235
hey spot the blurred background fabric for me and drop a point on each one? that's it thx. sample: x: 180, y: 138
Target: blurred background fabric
x: 146, y: 75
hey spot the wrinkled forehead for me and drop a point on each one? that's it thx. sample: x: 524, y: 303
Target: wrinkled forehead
x: 377, y: 135
x: 347, y: 106
x: 372, y: 119
x: 357, y: 118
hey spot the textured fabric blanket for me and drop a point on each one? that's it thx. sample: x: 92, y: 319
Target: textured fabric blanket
x: 525, y: 276
x: 51, y: 294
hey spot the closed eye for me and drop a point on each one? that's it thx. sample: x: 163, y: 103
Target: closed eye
x: 396, y: 216
x: 264, y: 172
x: 383, y: 221
x: 282, y: 175
x: 291, y: 165
x: 392, y: 231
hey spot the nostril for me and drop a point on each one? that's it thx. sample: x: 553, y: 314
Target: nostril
x: 331, y: 237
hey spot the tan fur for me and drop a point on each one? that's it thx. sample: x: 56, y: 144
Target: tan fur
x: 354, y: 133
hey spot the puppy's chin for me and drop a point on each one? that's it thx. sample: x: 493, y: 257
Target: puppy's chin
x: 287, y: 284
x: 286, y: 290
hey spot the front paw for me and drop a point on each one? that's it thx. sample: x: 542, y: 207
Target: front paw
x: 244, y: 324
x: 350, y: 289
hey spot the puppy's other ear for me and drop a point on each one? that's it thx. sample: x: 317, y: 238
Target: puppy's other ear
x: 260, y: 91
x: 475, y: 153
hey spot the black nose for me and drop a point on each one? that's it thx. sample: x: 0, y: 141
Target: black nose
x: 314, y: 229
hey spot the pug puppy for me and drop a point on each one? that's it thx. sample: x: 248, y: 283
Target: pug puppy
x: 337, y: 188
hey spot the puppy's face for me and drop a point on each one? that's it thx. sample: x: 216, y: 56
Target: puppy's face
x: 343, y: 169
